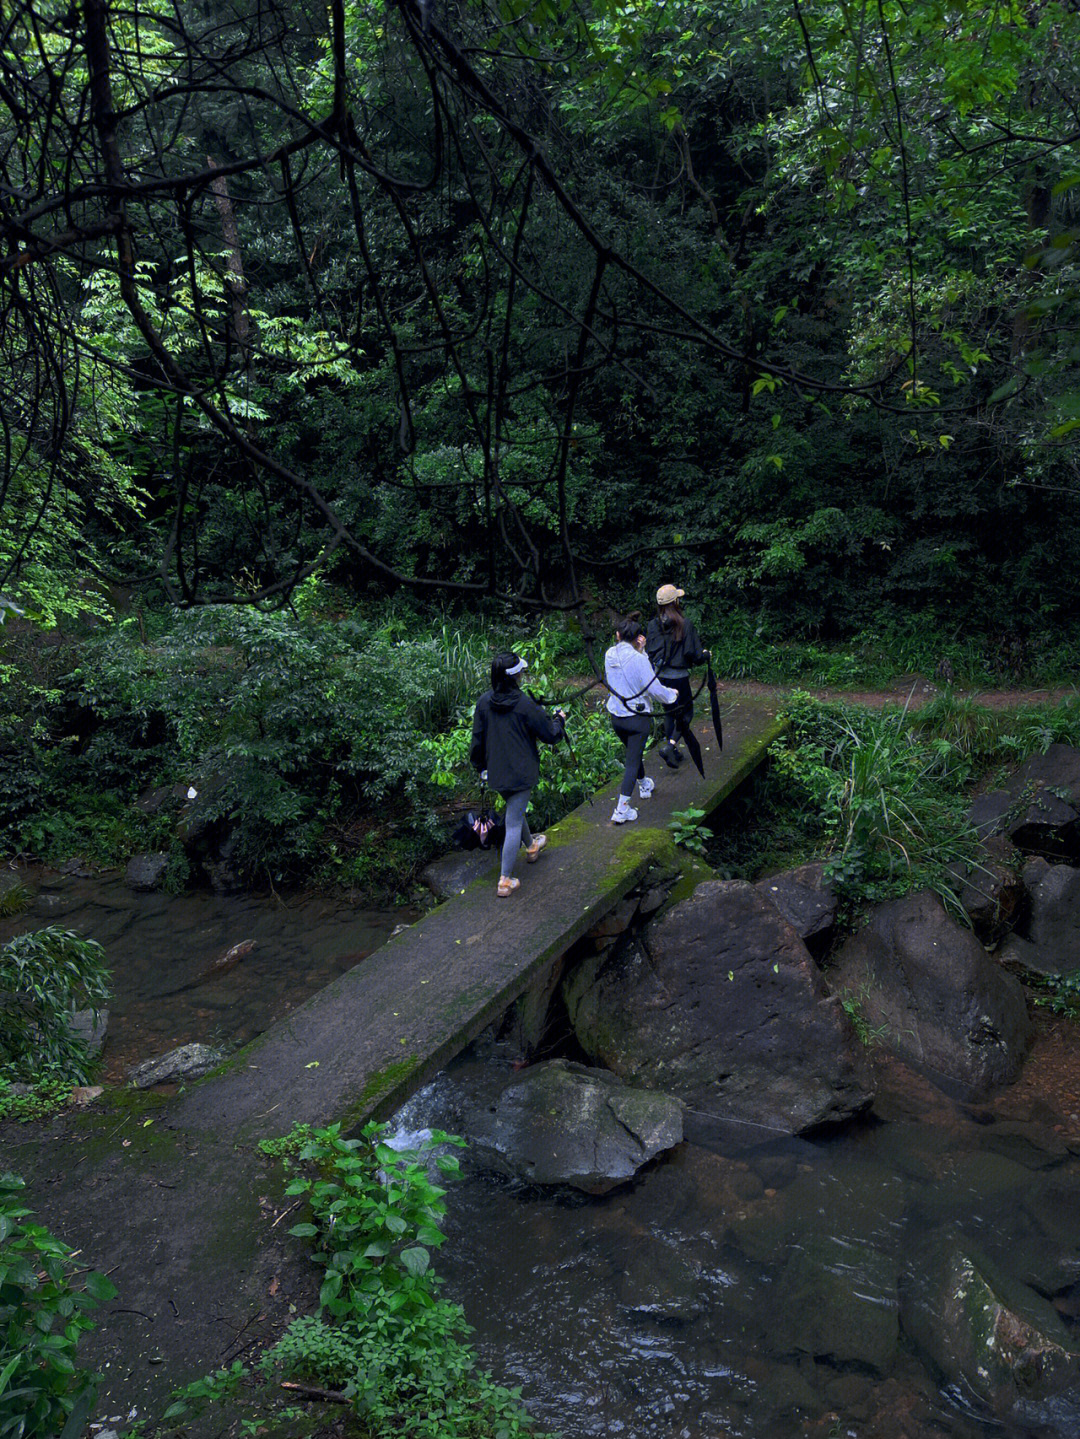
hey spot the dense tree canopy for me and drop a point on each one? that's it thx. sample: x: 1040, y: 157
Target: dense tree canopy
x: 511, y: 299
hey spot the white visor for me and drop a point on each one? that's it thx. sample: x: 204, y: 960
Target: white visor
x: 521, y: 665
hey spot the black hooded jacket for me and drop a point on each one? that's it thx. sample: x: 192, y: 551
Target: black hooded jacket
x: 669, y: 654
x: 505, y: 729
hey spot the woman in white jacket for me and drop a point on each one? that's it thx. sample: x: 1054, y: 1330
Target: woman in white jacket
x: 632, y: 680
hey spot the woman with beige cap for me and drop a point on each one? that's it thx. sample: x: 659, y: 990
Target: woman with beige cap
x: 673, y: 645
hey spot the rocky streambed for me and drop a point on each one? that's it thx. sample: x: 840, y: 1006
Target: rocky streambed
x: 822, y: 1236
x: 698, y: 1202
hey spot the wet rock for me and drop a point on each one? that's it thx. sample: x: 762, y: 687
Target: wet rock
x: 690, y: 1192
x: 199, y: 818
x: 989, y: 1335
x: 990, y: 889
x: 188, y: 1061
x: 561, y: 1123
x: 223, y: 867
x: 76, y: 869
x: 146, y: 871
x: 815, y: 1214
x: 153, y: 801
x: 452, y: 873
x: 616, y: 922
x: 841, y: 1304
x: 722, y: 1005
x: 652, y: 899
x: 89, y: 1029
x: 1055, y: 1418
x: 1049, y: 1258
x: 937, y: 1000
x: 1032, y: 1146
x: 804, y: 898
x: 1039, y: 809
x: 530, y: 1017
x: 1049, y: 943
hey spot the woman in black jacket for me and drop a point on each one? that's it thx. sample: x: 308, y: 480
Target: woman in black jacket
x: 673, y: 646
x: 506, y: 727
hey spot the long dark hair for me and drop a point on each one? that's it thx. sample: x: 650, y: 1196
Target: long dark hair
x: 501, y: 682
x: 628, y: 630
x: 671, y: 617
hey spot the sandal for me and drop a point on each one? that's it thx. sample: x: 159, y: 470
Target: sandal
x: 532, y: 854
x: 507, y: 885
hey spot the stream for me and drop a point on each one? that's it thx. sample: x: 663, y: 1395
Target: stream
x: 748, y: 1288
x: 161, y: 950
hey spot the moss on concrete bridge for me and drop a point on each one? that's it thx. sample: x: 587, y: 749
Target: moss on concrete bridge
x: 358, y: 1048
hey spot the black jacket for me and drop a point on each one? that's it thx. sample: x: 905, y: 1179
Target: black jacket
x: 504, y: 733
x: 666, y: 652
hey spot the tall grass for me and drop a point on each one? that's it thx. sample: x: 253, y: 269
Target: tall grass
x: 889, y: 792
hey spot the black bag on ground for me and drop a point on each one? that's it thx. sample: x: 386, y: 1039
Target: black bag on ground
x: 479, y: 829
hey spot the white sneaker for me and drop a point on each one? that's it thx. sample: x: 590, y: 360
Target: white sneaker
x: 623, y: 813
x: 645, y: 788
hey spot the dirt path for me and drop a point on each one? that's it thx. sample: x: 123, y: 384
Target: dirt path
x: 912, y: 690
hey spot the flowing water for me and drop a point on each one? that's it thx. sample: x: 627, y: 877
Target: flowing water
x: 748, y: 1287
x: 162, y: 951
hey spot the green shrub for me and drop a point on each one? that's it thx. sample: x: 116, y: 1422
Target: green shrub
x: 49, y: 1092
x: 686, y: 829
x: 43, y: 1394
x: 382, y: 1338
x: 285, y: 725
x: 44, y: 975
x: 893, y: 808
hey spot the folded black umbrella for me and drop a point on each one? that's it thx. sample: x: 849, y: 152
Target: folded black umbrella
x: 695, y: 749
x: 714, y: 705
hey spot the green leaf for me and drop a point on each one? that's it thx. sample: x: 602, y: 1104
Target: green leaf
x: 1003, y: 392
x: 99, y: 1287
x: 416, y: 1260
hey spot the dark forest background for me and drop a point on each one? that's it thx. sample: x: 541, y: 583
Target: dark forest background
x: 333, y: 327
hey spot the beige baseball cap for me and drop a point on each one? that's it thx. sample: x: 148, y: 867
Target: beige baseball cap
x: 668, y: 594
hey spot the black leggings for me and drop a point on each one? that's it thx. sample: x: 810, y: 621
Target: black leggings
x: 634, y: 732
x: 678, y: 716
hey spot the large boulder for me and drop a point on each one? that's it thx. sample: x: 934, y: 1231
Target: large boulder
x: 991, y: 1337
x: 1049, y: 943
x: 805, y: 899
x: 722, y: 1004
x: 146, y: 871
x: 930, y: 991
x: 1039, y: 808
x: 561, y: 1123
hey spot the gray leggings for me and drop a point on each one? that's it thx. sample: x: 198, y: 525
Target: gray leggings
x: 517, y: 830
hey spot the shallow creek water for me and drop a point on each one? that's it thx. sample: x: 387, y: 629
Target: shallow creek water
x: 749, y: 1287
x: 746, y: 1286
x: 161, y: 950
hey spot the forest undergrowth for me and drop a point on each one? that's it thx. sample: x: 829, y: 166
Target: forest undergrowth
x: 318, y: 747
